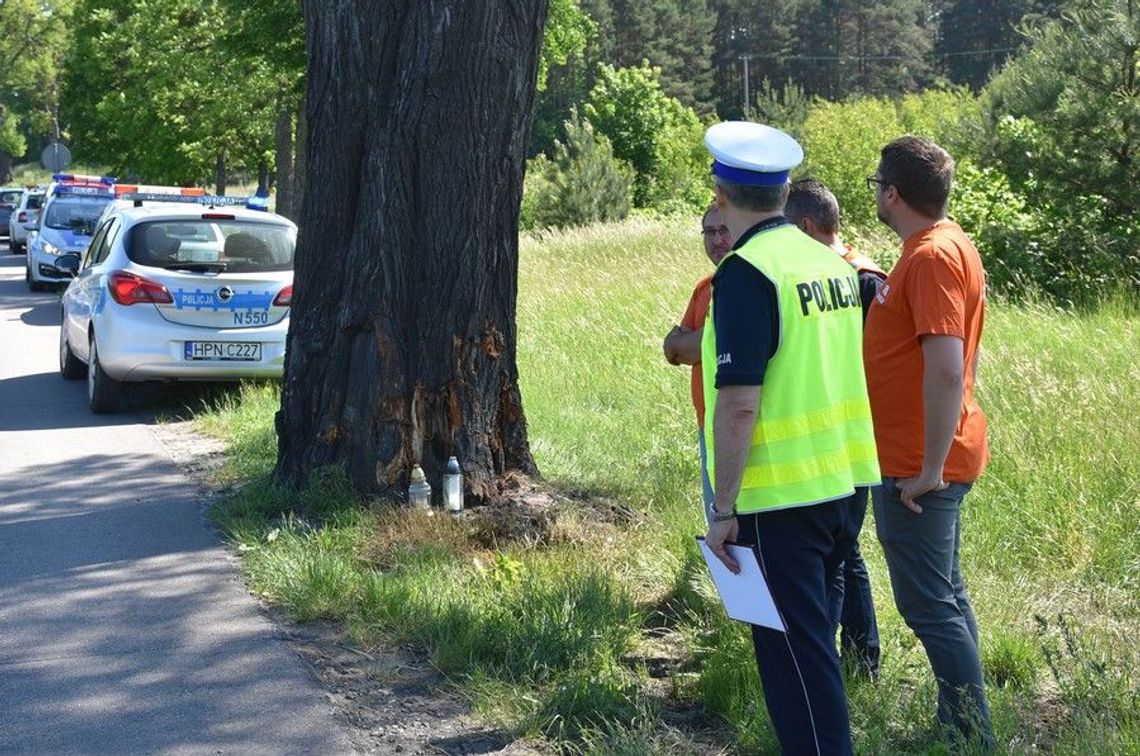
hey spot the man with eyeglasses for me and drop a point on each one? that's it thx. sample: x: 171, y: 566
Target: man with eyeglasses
x: 683, y: 343
x: 922, y: 341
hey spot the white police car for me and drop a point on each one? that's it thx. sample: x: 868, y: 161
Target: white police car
x: 196, y: 291
x: 71, y: 206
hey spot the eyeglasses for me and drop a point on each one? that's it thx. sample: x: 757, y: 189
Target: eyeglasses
x: 712, y: 233
x: 873, y: 182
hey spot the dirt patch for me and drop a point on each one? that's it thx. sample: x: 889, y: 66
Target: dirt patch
x: 393, y: 700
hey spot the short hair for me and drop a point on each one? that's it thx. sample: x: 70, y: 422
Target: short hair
x: 754, y: 199
x: 921, y: 172
x: 712, y: 206
x: 808, y: 198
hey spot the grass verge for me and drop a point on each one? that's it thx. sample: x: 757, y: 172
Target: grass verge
x: 553, y: 629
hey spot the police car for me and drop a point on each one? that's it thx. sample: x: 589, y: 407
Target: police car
x: 177, y: 287
x: 71, y: 206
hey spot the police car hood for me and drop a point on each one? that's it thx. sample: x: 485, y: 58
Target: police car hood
x: 65, y: 239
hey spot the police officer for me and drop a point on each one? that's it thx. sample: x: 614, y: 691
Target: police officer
x: 790, y: 432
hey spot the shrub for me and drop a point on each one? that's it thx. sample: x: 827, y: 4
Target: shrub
x: 582, y: 183
x: 841, y: 145
x: 842, y: 140
x: 658, y: 135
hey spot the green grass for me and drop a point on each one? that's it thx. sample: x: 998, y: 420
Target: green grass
x: 545, y: 639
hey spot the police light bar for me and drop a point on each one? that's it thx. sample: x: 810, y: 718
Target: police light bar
x: 79, y: 178
x: 176, y: 191
x: 82, y: 190
x: 193, y: 199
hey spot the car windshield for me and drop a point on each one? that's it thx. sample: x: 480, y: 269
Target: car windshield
x: 212, y: 245
x: 10, y: 197
x: 34, y: 201
x: 74, y: 214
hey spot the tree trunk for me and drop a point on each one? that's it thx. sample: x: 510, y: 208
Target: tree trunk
x: 402, y: 338
x: 283, y: 148
x: 5, y: 167
x: 220, y: 175
x: 300, y: 159
x: 263, y: 178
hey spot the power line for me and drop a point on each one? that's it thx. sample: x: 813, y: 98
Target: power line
x: 961, y: 53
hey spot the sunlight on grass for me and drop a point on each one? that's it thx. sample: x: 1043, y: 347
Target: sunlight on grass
x: 542, y: 637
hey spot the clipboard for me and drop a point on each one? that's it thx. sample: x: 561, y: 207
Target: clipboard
x: 746, y: 597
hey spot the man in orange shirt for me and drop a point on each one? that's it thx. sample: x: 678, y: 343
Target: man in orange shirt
x: 920, y: 346
x: 683, y: 344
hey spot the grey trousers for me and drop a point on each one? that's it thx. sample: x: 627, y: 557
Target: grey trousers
x: 922, y: 556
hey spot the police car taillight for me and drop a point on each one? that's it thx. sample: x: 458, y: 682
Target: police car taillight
x: 284, y: 298
x: 128, y: 289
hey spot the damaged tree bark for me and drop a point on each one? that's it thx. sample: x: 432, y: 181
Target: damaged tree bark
x: 402, y: 338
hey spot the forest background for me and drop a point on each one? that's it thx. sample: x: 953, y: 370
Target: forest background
x: 1036, y: 99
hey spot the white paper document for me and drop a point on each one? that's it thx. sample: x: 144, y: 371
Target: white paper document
x: 745, y: 596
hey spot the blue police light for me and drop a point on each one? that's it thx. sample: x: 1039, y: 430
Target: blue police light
x: 259, y: 201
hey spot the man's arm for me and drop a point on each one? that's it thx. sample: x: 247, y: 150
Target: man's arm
x: 733, y: 421
x: 943, y: 381
x: 683, y: 346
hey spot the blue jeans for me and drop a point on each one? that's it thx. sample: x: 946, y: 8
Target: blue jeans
x: 851, y: 605
x: 922, y: 553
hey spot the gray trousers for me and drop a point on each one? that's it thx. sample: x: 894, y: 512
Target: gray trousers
x: 922, y: 556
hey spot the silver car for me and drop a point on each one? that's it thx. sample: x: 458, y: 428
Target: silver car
x: 25, y: 213
x: 185, y: 292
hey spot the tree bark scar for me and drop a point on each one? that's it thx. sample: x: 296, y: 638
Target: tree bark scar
x: 492, y: 341
x: 419, y: 399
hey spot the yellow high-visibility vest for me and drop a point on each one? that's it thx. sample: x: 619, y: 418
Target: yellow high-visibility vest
x: 813, y: 440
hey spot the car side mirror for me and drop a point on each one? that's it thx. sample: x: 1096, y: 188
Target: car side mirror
x: 68, y: 263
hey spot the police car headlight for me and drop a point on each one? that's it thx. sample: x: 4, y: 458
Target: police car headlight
x: 50, y: 249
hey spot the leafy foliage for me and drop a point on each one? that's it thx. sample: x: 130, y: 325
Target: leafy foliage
x: 152, y: 91
x: 655, y: 133
x: 33, y: 41
x: 1065, y: 130
x: 583, y: 183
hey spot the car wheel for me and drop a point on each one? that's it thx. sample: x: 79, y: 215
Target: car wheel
x: 70, y: 366
x: 32, y: 285
x: 103, y: 391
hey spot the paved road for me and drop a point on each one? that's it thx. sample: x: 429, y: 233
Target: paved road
x: 124, y: 625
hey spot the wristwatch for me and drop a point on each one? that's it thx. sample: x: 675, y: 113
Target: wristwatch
x: 718, y: 516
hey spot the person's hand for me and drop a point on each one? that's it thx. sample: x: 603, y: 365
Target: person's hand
x: 911, y: 488
x: 668, y: 348
x: 719, y: 534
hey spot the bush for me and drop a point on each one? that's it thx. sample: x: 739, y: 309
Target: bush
x: 842, y: 140
x: 841, y: 148
x: 583, y: 183
x: 659, y: 136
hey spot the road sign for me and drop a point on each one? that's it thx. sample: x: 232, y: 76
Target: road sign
x: 55, y: 157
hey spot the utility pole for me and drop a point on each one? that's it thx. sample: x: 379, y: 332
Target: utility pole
x: 747, y: 108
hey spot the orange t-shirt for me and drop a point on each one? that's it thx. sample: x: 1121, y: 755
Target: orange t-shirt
x: 693, y: 319
x: 937, y: 288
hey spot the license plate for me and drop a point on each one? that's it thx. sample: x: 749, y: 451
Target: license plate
x: 230, y: 351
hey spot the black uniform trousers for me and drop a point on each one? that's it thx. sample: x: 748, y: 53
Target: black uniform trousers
x: 800, y: 550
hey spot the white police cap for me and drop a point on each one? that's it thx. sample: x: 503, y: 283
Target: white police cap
x: 751, y: 153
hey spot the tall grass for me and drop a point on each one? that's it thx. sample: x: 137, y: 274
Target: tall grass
x: 546, y: 640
